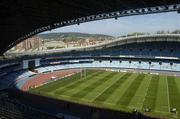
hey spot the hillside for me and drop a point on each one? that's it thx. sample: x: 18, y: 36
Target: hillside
x: 73, y: 36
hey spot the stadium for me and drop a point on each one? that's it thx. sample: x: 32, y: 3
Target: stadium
x: 132, y: 77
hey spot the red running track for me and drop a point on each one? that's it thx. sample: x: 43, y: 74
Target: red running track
x: 43, y: 78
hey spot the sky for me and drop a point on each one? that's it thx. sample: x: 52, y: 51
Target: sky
x: 125, y: 25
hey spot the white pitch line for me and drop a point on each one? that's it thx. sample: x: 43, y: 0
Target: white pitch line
x: 83, y: 99
x: 146, y: 92
x: 168, y: 93
x: 107, y: 87
x: 78, y: 80
x: 161, y: 112
x: 133, y: 107
x: 109, y: 103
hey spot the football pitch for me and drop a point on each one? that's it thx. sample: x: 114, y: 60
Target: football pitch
x: 123, y: 91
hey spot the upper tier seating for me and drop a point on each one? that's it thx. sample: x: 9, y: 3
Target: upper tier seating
x: 154, y: 49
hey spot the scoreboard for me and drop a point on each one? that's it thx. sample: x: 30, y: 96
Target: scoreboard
x: 30, y: 64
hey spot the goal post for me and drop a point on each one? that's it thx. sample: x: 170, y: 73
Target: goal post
x: 83, y: 73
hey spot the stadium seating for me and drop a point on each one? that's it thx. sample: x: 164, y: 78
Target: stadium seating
x: 144, y: 56
x: 11, y: 108
x: 140, y: 56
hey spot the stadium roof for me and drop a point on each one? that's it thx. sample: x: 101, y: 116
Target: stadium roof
x: 21, y: 19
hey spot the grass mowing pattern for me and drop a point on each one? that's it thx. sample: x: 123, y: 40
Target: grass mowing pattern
x: 174, y: 95
x: 62, y: 82
x: 150, y: 99
x: 130, y: 92
x: 118, y: 90
x: 91, y: 87
x: 111, y: 89
x: 55, y: 85
x: 75, y: 84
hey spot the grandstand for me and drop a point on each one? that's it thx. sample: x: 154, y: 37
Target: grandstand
x: 133, y: 77
x: 155, y: 54
x: 162, y: 55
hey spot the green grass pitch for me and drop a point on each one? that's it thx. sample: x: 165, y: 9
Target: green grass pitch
x: 119, y: 91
